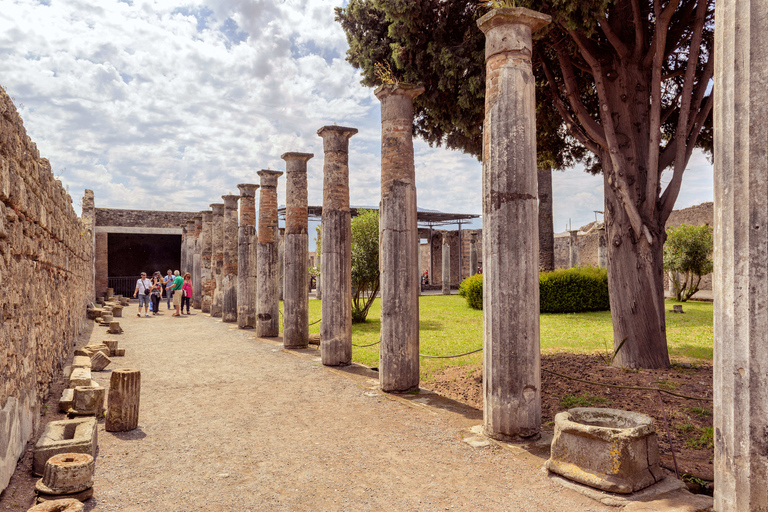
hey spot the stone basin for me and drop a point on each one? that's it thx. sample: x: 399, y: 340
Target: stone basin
x: 609, y: 449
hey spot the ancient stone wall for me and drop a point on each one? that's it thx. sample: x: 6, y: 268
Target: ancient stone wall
x: 46, y: 267
x: 142, y: 218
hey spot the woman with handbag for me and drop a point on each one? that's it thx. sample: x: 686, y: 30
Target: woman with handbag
x: 142, y: 291
x: 187, y: 292
x: 157, y: 291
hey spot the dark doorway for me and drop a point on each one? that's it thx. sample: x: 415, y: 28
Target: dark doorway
x: 131, y: 254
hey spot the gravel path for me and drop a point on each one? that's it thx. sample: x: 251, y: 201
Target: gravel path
x: 229, y: 422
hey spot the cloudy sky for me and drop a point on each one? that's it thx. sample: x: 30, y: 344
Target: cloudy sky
x: 168, y: 104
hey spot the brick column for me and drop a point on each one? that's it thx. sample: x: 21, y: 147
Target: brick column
x: 229, y: 270
x: 336, y: 237
x: 246, y: 258
x: 399, y: 238
x: 267, y: 302
x: 197, y: 263
x: 511, y: 378
x: 446, y: 266
x: 296, y: 248
x: 740, y: 280
x: 217, y: 259
x: 206, y: 275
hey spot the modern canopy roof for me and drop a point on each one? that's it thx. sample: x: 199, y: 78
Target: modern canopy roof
x: 427, y: 218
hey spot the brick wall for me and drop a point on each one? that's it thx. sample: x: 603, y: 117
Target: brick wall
x: 46, y: 272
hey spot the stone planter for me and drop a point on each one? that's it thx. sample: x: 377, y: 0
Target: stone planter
x: 609, y: 449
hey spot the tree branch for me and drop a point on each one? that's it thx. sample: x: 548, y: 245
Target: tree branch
x: 613, y: 38
x: 637, y: 19
x: 662, y: 25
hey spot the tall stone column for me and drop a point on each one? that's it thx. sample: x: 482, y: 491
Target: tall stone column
x: 511, y: 364
x: 602, y: 249
x: 319, y: 278
x: 267, y: 299
x: 472, y: 254
x: 229, y: 260
x: 573, y: 249
x: 280, y: 262
x: 546, y: 226
x: 296, y: 249
x: 446, y: 274
x: 246, y: 258
x: 197, y: 263
x: 217, y: 259
x: 89, y: 221
x: 399, y: 238
x: 206, y: 275
x: 190, y: 248
x: 740, y: 280
x: 336, y: 250
x: 183, y: 255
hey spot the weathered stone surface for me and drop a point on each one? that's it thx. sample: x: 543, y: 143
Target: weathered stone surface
x: 741, y: 256
x: 612, y: 450
x: 511, y: 379
x: 398, y: 235
x: 336, y: 260
x: 217, y: 259
x: 111, y: 345
x: 119, y: 352
x: 546, y: 226
x: 80, y: 377
x: 246, y: 257
x: 81, y: 362
x: 97, y: 347
x: 114, y: 328
x: 473, y: 267
x: 446, y: 267
x: 206, y: 278
x: 78, y: 435
x: 602, y: 250
x: 60, y: 505
x: 123, y: 402
x: 67, y: 400
x: 296, y: 252
x: 80, y: 496
x: 93, y: 313
x: 67, y: 473
x: 573, y: 249
x: 117, y: 311
x: 99, y: 361
x: 88, y: 401
x: 267, y: 300
x: 229, y: 269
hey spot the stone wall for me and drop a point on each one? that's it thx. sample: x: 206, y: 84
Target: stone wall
x: 46, y: 271
x: 142, y: 218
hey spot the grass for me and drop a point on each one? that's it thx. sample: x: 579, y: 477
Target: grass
x: 702, y: 438
x: 448, y: 326
x: 584, y: 400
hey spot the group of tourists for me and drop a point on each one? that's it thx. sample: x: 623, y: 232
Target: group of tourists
x: 177, y: 289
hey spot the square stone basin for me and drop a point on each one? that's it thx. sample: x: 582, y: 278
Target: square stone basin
x: 609, y: 449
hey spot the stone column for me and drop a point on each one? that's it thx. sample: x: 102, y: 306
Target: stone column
x: 267, y: 300
x: 472, y: 254
x: 280, y: 262
x: 190, y: 248
x: 511, y: 365
x: 246, y: 258
x: 206, y: 276
x: 399, y: 237
x: 123, y: 401
x: 741, y: 256
x: 546, y: 227
x: 446, y: 274
x: 602, y: 249
x: 336, y: 250
x: 197, y: 263
x: 296, y: 249
x: 573, y: 249
x: 89, y: 221
x: 217, y: 259
x: 183, y: 255
x: 229, y: 260
x: 318, y: 279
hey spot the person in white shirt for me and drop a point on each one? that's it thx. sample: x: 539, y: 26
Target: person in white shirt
x: 143, y: 289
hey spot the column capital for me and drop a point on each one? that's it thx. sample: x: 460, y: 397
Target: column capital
x: 510, y: 29
x: 336, y: 138
x: 401, y: 89
x: 217, y: 208
x: 303, y: 157
x: 513, y: 15
x: 336, y: 130
x: 248, y: 189
x: 230, y: 201
x: 206, y: 214
x: 269, y: 177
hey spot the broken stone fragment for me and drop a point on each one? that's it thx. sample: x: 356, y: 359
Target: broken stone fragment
x: 88, y: 401
x: 62, y: 505
x: 114, y: 328
x: 67, y: 400
x: 81, y: 362
x: 80, y: 377
x: 112, y: 344
x: 99, y: 361
x: 67, y: 473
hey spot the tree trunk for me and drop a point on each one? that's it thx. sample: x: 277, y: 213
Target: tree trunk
x: 636, y: 283
x: 546, y: 227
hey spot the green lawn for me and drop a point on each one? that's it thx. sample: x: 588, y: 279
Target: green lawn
x: 448, y: 326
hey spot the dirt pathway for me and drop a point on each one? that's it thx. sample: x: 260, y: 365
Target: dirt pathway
x: 232, y: 423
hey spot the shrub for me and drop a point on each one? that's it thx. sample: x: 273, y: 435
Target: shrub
x: 472, y: 289
x: 687, y: 257
x: 562, y: 291
x: 574, y: 290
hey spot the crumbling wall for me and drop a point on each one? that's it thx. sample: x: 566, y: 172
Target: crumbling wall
x: 45, y: 273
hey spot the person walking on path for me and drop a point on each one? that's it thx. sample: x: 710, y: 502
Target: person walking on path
x: 168, y: 278
x: 143, y: 289
x: 175, y: 287
x: 187, y: 291
x: 157, y: 291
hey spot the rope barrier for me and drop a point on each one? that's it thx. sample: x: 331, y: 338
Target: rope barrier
x: 451, y: 357
x: 363, y: 346
x: 313, y: 323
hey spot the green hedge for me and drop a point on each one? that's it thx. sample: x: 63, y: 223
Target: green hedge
x: 571, y: 290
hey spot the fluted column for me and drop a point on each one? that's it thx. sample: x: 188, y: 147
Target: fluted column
x: 124, y: 399
x: 229, y: 268
x: 217, y: 259
x: 206, y: 275
x: 246, y: 257
x: 296, y: 248
x: 336, y: 239
x: 740, y: 280
x: 446, y: 274
x: 472, y: 254
x: 267, y: 300
x: 197, y: 263
x: 511, y: 364
x: 398, y: 235
x: 190, y: 248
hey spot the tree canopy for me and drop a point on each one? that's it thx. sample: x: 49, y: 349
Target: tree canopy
x: 365, y: 262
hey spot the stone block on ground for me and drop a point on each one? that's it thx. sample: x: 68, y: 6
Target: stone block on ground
x: 107, y: 317
x: 119, y: 352
x: 93, y: 313
x: 114, y: 328
x: 67, y: 473
x: 112, y: 345
x: 60, y: 505
x: 80, y: 377
x: 99, y: 361
x: 80, y: 496
x: 65, y: 436
x: 67, y: 400
x: 123, y: 402
x: 84, y: 351
x: 98, y: 347
x: 88, y: 401
x: 81, y: 362
x: 117, y: 311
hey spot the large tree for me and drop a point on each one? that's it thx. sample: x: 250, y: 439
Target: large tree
x: 628, y: 80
